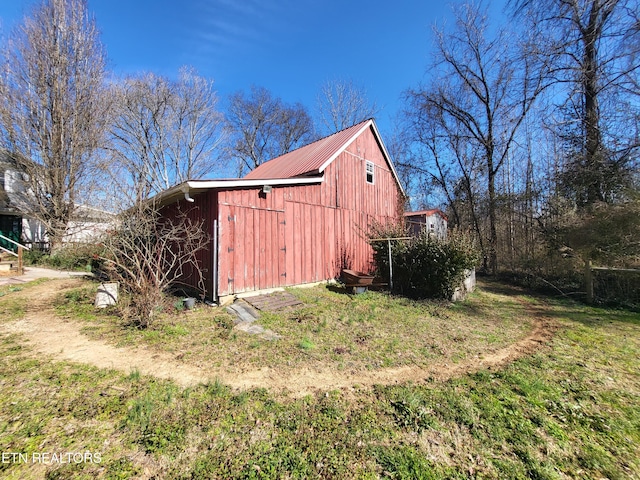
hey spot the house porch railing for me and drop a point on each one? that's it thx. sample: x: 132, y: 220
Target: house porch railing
x: 21, y: 248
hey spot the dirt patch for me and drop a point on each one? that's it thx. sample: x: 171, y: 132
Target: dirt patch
x: 61, y: 338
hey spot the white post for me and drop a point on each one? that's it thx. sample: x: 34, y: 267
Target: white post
x: 588, y: 279
x: 390, y: 266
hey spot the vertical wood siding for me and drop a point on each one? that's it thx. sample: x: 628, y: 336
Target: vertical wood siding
x: 252, y: 250
x: 305, y: 233
x: 201, y: 211
x: 296, y: 234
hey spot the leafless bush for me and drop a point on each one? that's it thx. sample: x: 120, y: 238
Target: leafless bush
x: 150, y: 252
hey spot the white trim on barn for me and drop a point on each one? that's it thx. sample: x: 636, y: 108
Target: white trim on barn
x: 190, y: 187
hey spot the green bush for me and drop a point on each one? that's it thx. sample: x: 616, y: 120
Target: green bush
x: 33, y: 256
x: 424, y: 266
x: 78, y: 256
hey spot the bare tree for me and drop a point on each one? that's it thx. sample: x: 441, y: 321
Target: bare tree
x: 484, y: 88
x: 342, y: 103
x: 262, y: 127
x: 163, y: 132
x: 595, y: 44
x: 52, y: 107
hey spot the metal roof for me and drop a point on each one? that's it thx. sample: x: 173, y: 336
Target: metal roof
x: 312, y: 159
x: 426, y: 213
x: 301, y: 166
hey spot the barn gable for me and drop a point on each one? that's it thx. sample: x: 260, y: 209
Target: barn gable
x: 299, y: 218
x: 314, y: 158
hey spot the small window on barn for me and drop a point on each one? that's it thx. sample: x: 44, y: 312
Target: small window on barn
x: 369, y: 171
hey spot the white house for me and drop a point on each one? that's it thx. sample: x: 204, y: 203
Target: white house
x: 19, y: 225
x: 434, y: 221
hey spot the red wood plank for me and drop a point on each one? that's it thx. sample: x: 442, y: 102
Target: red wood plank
x: 237, y: 253
x: 307, y: 253
x: 251, y: 241
x: 228, y: 220
x: 288, y: 243
x: 266, y: 246
x: 272, y: 261
x: 298, y: 243
x: 260, y: 247
x: 318, y: 240
x: 282, y: 250
x: 238, y: 223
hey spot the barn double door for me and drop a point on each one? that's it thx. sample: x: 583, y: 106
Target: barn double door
x: 255, y: 249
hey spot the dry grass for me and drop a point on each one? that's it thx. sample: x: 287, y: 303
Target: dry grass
x: 332, y: 329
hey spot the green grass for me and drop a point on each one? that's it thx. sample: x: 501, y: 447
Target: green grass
x: 13, y: 306
x: 306, y: 344
x: 331, y: 330
x: 572, y: 410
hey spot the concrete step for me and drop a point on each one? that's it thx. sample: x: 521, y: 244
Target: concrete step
x: 8, y: 266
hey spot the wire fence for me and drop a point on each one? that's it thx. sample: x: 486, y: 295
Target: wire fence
x: 613, y: 286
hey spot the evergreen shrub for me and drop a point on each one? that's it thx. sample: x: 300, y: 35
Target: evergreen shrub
x: 424, y: 266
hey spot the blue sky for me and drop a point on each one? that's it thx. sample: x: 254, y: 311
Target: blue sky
x: 288, y: 46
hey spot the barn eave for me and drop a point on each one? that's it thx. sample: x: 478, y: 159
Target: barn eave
x: 194, y: 187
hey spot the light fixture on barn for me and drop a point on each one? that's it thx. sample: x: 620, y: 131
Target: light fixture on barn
x: 266, y: 189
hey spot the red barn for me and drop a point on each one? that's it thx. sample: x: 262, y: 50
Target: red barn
x: 299, y: 218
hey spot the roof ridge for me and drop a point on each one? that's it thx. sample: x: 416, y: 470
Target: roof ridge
x: 307, y: 145
x: 332, y: 134
x: 308, y: 158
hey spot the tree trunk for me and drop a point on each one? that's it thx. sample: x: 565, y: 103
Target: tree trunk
x: 593, y: 160
x: 493, y: 235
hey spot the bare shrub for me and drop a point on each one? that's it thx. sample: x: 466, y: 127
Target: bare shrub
x: 150, y: 252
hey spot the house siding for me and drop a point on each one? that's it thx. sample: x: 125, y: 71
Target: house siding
x: 433, y: 222
x: 251, y: 240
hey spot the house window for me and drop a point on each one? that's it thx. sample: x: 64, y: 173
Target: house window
x: 369, y: 171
